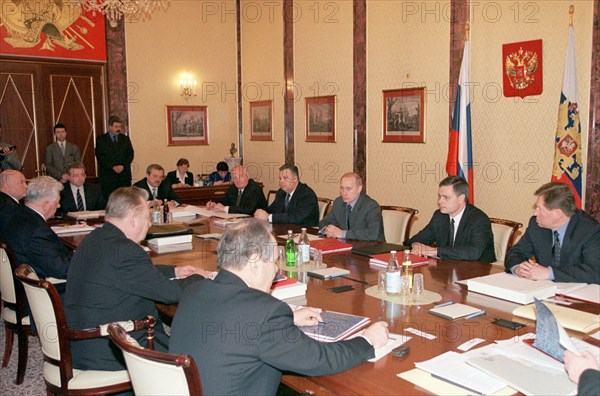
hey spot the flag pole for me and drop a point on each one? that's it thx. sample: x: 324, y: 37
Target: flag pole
x: 571, y: 12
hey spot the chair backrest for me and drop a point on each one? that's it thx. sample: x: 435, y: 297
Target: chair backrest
x: 156, y: 373
x: 397, y: 221
x: 504, y: 235
x: 10, y: 288
x: 47, y: 310
x: 271, y: 196
x: 325, y: 205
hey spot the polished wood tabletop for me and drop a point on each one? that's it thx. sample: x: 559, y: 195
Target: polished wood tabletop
x: 380, y: 378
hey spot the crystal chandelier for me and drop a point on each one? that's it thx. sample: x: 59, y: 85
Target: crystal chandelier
x: 114, y: 10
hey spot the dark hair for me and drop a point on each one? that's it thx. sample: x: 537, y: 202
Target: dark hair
x: 154, y: 166
x: 243, y: 243
x: 222, y: 167
x: 557, y: 196
x: 59, y: 125
x: 183, y: 161
x: 112, y: 119
x: 459, y: 185
x: 292, y: 168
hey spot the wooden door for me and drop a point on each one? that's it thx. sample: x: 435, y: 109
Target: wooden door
x: 48, y: 93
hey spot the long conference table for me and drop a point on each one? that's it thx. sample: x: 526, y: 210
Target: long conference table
x: 380, y: 378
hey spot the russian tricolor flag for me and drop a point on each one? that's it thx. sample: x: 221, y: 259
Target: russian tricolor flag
x: 460, y: 148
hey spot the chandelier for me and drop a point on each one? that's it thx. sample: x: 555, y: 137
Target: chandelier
x: 114, y: 10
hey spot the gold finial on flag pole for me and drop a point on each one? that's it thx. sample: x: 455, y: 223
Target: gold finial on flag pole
x: 571, y: 12
x: 467, y: 28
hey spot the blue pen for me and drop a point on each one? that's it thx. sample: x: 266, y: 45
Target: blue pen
x: 444, y: 304
x: 476, y: 314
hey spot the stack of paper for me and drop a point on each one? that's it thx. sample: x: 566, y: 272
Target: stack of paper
x: 72, y: 229
x: 581, y: 291
x: 455, y: 311
x: 178, y: 247
x: 171, y: 240
x: 202, y: 211
x: 335, y: 326
x: 568, y: 317
x: 512, y: 288
x: 87, y: 214
x: 284, y: 290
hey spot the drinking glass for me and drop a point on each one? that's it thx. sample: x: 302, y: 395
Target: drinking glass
x: 418, y: 287
x: 281, y: 254
x: 381, y: 281
x: 318, y: 259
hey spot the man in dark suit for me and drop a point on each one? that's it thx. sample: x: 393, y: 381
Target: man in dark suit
x: 61, y: 154
x: 112, y: 278
x: 155, y: 186
x: 78, y: 195
x: 181, y: 177
x: 241, y: 337
x: 460, y: 230
x: 25, y: 230
x: 583, y: 370
x: 295, y: 202
x: 354, y: 215
x: 13, y: 187
x: 561, y: 242
x: 243, y: 196
x: 114, y: 153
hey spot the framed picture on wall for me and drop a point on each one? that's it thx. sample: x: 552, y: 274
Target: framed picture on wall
x: 187, y: 125
x: 261, y: 120
x: 404, y: 115
x: 320, y: 119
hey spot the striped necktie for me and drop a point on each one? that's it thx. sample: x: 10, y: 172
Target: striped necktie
x: 556, y: 250
x: 80, y: 207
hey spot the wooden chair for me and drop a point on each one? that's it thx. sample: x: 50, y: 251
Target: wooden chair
x: 504, y: 236
x: 156, y: 373
x: 55, y: 336
x: 325, y: 206
x: 14, y: 312
x: 271, y: 196
x: 397, y: 221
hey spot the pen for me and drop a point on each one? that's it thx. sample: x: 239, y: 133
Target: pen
x: 476, y: 314
x: 444, y: 304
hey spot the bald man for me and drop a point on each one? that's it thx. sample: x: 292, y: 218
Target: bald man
x: 13, y: 187
x: 243, y: 196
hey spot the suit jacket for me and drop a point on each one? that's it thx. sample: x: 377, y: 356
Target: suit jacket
x: 589, y: 383
x: 173, y: 179
x: 366, y: 222
x: 474, y: 240
x: 110, y: 154
x: 6, y: 201
x: 34, y: 243
x: 579, y: 257
x: 242, y: 338
x: 164, y: 190
x: 94, y: 199
x: 252, y: 199
x: 56, y: 163
x: 303, y: 208
x: 111, y: 279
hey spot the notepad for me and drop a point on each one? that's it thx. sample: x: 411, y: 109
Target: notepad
x: 335, y: 326
x: 328, y: 273
x: 455, y: 311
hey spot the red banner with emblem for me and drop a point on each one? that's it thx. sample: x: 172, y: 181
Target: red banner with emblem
x: 522, y: 64
x: 51, y: 29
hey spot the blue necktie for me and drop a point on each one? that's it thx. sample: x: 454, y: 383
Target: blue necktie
x: 287, y: 201
x: 80, y: 207
x: 115, y: 137
x: 348, y: 213
x: 556, y: 250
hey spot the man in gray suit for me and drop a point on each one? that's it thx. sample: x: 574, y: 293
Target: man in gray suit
x: 355, y: 215
x: 241, y: 337
x: 61, y: 154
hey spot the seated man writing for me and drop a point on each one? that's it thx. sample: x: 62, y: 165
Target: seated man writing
x: 241, y: 337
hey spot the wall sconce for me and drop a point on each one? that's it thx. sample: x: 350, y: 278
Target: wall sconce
x: 188, y: 86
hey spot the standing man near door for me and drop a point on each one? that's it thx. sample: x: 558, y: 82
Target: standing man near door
x: 114, y: 153
x: 61, y: 154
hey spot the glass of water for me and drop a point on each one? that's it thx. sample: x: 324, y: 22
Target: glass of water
x: 418, y: 287
x: 281, y: 254
x: 318, y: 259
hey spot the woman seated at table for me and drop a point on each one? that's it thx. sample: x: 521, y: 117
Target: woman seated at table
x: 181, y: 177
x: 221, y: 175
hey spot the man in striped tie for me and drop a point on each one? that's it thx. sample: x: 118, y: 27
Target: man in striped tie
x: 561, y: 242
x: 79, y: 195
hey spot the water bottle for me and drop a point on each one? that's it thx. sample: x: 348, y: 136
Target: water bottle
x: 407, y: 269
x: 304, y: 247
x: 290, y: 250
x: 392, y: 276
x: 166, y: 212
